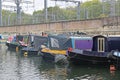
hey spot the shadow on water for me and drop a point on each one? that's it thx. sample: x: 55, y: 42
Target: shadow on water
x: 52, y: 71
x: 99, y: 71
x: 13, y: 66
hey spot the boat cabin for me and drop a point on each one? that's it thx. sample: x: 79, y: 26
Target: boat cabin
x: 106, y: 44
x: 83, y: 43
x: 100, y: 43
x: 36, y: 41
x: 113, y: 43
x: 57, y: 42
x: 97, y: 43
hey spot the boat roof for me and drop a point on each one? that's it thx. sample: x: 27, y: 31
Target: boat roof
x: 80, y: 37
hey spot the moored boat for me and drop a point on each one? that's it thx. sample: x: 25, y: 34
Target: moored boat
x: 3, y: 38
x: 55, y: 50
x: 17, y: 42
x: 34, y: 42
x: 57, y: 56
x: 93, y: 50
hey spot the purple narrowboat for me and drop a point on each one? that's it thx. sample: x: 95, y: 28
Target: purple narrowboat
x: 93, y: 50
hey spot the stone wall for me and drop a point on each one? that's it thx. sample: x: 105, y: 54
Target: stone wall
x: 75, y: 25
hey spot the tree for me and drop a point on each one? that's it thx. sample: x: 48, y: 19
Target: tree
x: 88, y: 10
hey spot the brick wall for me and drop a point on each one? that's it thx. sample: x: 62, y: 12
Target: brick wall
x: 74, y: 25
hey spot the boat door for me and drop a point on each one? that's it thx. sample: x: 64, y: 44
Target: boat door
x: 101, y: 44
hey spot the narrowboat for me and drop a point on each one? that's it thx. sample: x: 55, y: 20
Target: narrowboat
x: 55, y: 50
x: 15, y: 43
x: 93, y: 50
x: 1, y: 38
x: 35, y: 41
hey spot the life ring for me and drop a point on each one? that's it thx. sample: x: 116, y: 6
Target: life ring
x: 25, y: 53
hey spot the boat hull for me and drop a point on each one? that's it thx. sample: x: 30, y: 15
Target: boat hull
x: 14, y: 47
x: 54, y: 58
x: 48, y: 56
x: 29, y: 51
x: 89, y: 57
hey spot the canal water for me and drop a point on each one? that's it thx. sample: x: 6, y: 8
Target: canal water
x: 13, y: 66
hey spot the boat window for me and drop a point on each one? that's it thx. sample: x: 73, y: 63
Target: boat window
x: 101, y: 45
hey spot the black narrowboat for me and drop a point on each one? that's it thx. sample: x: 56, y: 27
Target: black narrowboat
x: 55, y: 50
x: 17, y: 42
x: 33, y: 48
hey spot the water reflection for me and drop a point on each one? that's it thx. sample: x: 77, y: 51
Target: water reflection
x: 28, y: 68
x: 13, y: 66
x: 100, y: 72
x: 51, y: 71
x: 7, y: 64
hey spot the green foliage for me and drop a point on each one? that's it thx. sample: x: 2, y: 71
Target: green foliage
x: 10, y: 18
x: 88, y: 10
